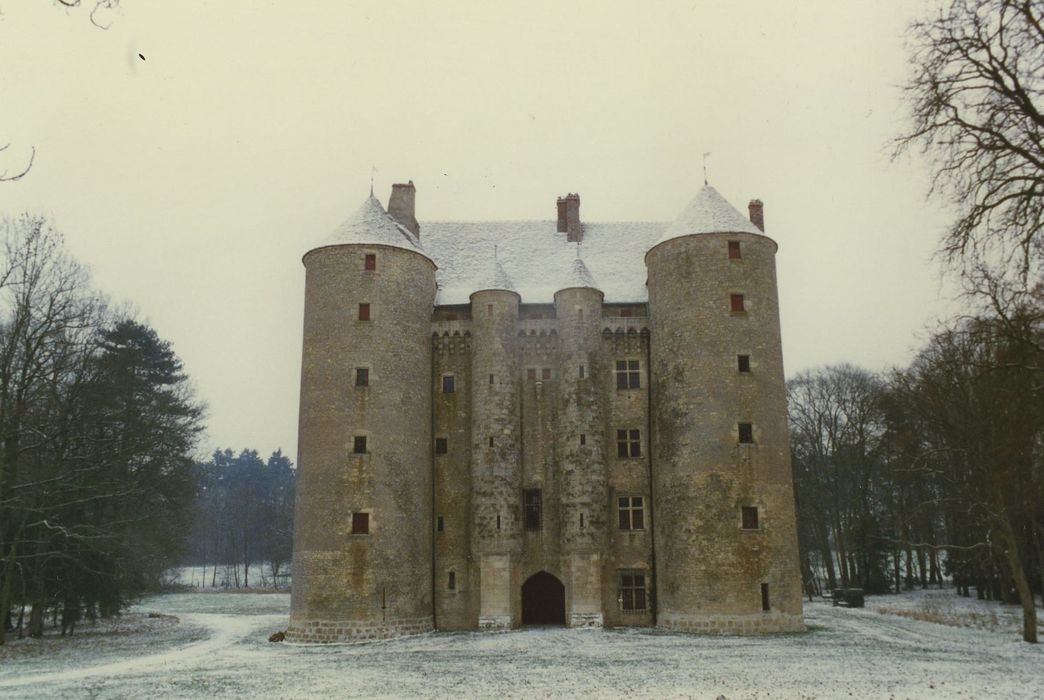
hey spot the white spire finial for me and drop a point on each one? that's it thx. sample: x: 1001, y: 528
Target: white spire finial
x: 373, y: 171
x: 705, y: 154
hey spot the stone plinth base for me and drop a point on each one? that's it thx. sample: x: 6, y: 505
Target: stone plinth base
x: 347, y: 631
x: 711, y: 623
x: 591, y: 620
x: 495, y: 623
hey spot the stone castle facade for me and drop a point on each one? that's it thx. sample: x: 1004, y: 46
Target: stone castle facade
x: 547, y: 422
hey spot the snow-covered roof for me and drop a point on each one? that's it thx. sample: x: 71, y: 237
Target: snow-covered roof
x: 708, y: 212
x: 579, y: 276
x: 538, y: 259
x: 495, y: 278
x: 371, y: 224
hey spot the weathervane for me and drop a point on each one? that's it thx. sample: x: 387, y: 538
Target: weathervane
x: 706, y: 153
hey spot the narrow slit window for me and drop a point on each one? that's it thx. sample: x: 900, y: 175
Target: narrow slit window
x: 581, y: 521
x: 440, y: 524
x: 743, y: 362
x: 360, y: 523
x: 746, y: 433
x: 359, y: 445
x: 491, y: 441
x: 451, y: 584
x: 364, y: 312
x: 491, y: 379
x: 362, y: 376
x: 734, y: 250
x: 582, y: 370
x: 765, y: 597
x: 489, y: 309
x: 736, y: 303
x: 498, y: 521
x: 583, y: 439
x: 370, y: 262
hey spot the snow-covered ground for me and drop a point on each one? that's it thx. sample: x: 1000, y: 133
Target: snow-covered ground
x: 219, y: 649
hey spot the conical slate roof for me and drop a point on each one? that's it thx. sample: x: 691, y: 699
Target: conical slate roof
x: 372, y: 225
x: 579, y: 277
x: 494, y: 278
x: 708, y: 212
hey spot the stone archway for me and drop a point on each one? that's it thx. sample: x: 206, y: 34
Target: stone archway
x: 543, y: 600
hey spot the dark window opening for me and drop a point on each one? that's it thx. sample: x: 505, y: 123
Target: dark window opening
x: 750, y: 517
x: 746, y: 433
x: 583, y: 439
x: 632, y: 513
x: 581, y: 371
x: 452, y: 317
x: 632, y: 591
x: 581, y: 520
x: 491, y: 379
x: 744, y: 362
x: 360, y: 523
x: 736, y: 302
x: 489, y: 309
x: 364, y: 312
x: 362, y: 376
x: 531, y: 374
x: 491, y: 441
x: 534, y: 315
x: 371, y: 262
x: 625, y: 313
x: 628, y: 443
x: 734, y: 250
x: 498, y: 521
x: 545, y: 374
x: 439, y: 524
x: 765, y: 597
x: 441, y: 446
x: 449, y: 384
x: 451, y: 584
x: 533, y: 507
x: 359, y: 445
x: 628, y: 374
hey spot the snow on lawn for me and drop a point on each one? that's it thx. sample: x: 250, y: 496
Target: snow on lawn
x: 846, y: 653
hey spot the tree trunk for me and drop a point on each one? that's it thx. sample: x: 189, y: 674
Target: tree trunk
x: 36, y: 619
x: 1018, y: 573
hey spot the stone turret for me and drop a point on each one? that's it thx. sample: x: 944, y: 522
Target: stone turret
x: 725, y: 527
x: 362, y: 562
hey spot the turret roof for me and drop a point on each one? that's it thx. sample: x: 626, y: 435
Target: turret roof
x: 371, y: 224
x: 579, y: 276
x: 494, y: 278
x: 708, y: 212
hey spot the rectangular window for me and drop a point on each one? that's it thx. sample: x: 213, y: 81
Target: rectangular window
x: 452, y: 317
x: 625, y: 313
x: 628, y: 443
x: 364, y: 312
x: 581, y: 521
x: 545, y: 374
x: 531, y: 374
x: 734, y: 250
x: 441, y: 446
x: 580, y: 314
x: 743, y: 361
x: 632, y: 512
x: 362, y: 376
x: 533, y: 507
x: 491, y: 379
x: 632, y: 591
x: 581, y: 371
x: 451, y: 584
x: 764, y: 597
x: 583, y: 439
x: 750, y: 517
x: 736, y: 303
x: 359, y: 445
x: 628, y: 374
x: 491, y: 441
x: 489, y: 309
x: 440, y: 524
x: 746, y: 433
x: 498, y: 521
x: 534, y: 315
x: 448, y: 384
x: 371, y: 262
x: 360, y: 523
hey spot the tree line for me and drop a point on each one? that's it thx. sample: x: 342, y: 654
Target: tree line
x: 933, y: 470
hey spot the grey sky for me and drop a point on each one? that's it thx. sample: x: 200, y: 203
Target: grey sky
x: 192, y: 181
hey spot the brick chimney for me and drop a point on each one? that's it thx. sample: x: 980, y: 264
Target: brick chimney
x: 569, y: 217
x: 401, y: 206
x: 757, y: 213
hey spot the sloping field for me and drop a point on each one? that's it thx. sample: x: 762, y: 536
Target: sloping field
x: 219, y: 649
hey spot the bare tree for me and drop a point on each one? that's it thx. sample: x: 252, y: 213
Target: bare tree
x: 976, y: 92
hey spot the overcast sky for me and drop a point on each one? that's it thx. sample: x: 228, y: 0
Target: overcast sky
x: 192, y: 180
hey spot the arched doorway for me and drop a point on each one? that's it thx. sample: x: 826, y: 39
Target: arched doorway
x: 543, y: 600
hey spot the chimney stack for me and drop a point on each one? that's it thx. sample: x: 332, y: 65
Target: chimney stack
x: 569, y: 217
x: 757, y: 213
x: 401, y: 206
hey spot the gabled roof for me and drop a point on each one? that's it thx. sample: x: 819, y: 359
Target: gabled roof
x: 708, y: 212
x: 372, y: 225
x: 579, y: 277
x: 493, y: 278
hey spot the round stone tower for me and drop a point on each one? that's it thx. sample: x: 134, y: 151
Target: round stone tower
x: 725, y: 528
x: 579, y: 445
x: 362, y: 552
x: 496, y: 465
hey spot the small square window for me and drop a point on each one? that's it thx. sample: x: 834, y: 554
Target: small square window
x: 371, y: 262
x: 441, y: 446
x: 750, y: 517
x: 545, y: 374
x: 360, y: 523
x: 448, y: 384
x: 364, y: 312
x: 736, y: 303
x: 362, y: 376
x: 531, y: 374
x: 359, y: 445
x: 734, y: 250
x: 440, y: 524
x: 743, y: 362
x: 746, y: 433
